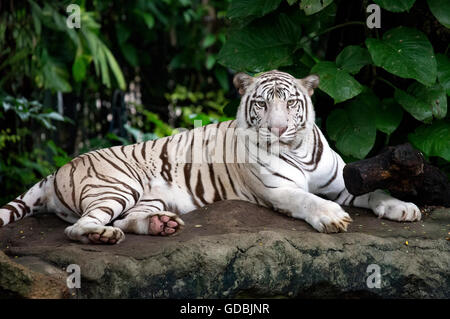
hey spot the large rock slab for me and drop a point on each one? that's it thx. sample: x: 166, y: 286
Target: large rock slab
x: 235, y: 249
x: 19, y: 281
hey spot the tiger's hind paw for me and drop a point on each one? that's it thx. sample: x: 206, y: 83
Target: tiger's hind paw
x: 164, y: 224
x: 161, y: 223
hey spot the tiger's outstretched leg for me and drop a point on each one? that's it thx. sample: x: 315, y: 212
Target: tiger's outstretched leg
x: 382, y: 204
x: 149, y: 217
x: 323, y: 215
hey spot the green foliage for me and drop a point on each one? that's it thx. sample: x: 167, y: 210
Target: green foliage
x: 336, y: 82
x: 433, y: 139
x: 423, y: 102
x: 145, y: 48
x: 19, y: 170
x: 443, y: 71
x: 262, y: 46
x: 109, y: 140
x: 395, y: 6
x: 441, y: 10
x: 353, y: 58
x: 26, y: 167
x: 313, y: 6
x: 137, y: 70
x: 252, y: 8
x: 6, y: 137
x: 389, y: 116
x: 51, y: 55
x: 198, y: 106
x: 406, y: 53
x: 26, y: 110
x: 384, y: 85
x: 353, y: 130
x: 188, y: 105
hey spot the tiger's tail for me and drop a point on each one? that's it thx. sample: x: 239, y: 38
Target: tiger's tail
x: 28, y: 203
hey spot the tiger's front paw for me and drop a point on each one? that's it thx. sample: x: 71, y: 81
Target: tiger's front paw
x: 397, y: 210
x: 329, y: 217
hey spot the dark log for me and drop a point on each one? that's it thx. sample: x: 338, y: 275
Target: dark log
x: 403, y: 171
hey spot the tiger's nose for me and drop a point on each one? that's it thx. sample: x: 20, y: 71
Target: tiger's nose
x: 278, y: 130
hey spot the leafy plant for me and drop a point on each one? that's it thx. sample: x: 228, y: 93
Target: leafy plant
x: 187, y: 107
x: 386, y: 84
x: 19, y: 168
x: 137, y: 70
x: 26, y: 110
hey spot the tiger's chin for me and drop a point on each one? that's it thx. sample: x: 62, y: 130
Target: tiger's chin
x: 285, y: 143
x: 273, y: 139
x: 293, y: 139
x: 286, y: 140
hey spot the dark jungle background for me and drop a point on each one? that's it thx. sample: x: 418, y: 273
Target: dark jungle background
x: 139, y: 69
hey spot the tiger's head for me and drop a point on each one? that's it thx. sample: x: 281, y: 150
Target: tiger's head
x: 276, y: 104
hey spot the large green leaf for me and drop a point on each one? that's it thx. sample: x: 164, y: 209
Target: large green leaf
x: 433, y: 140
x: 353, y: 128
x: 313, y: 6
x: 387, y: 113
x: 405, y: 52
x: 261, y: 46
x: 434, y: 97
x: 353, y: 58
x: 395, y: 5
x: 388, y: 116
x: 443, y: 71
x: 441, y: 10
x: 423, y: 102
x: 248, y: 8
x: 414, y: 106
x: 336, y: 82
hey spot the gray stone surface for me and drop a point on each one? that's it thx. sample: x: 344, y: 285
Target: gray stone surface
x: 235, y: 249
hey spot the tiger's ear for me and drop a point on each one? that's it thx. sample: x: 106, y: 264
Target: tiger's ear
x: 310, y: 83
x: 242, y: 81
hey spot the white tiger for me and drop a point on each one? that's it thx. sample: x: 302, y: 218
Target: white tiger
x: 273, y: 155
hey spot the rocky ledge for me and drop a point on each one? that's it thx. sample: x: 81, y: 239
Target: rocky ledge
x: 234, y: 249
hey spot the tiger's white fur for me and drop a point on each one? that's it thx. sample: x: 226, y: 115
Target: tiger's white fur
x: 273, y: 155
